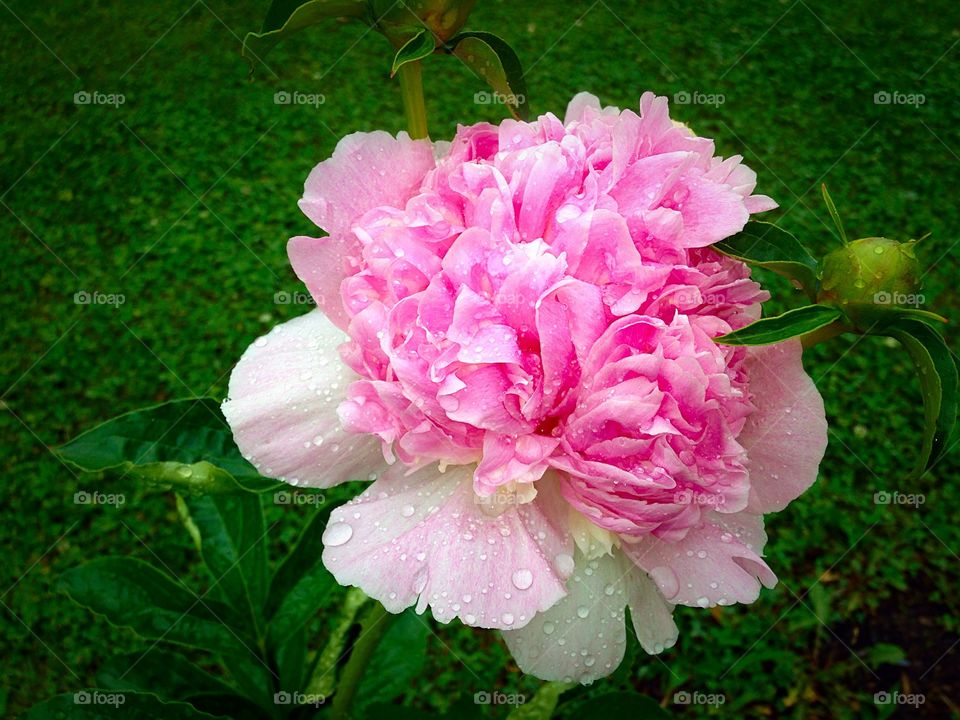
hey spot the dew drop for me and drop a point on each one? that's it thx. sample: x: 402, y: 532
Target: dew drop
x: 337, y: 534
x: 407, y: 511
x: 522, y: 579
x: 583, y: 611
x: 548, y: 628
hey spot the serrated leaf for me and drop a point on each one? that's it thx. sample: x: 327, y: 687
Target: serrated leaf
x: 398, y: 662
x: 285, y: 17
x: 131, y: 593
x: 94, y: 704
x: 182, y: 444
x: 232, y: 544
x: 495, y: 61
x: 938, y: 383
x: 792, y: 323
x: 300, y: 584
x: 768, y: 246
x: 416, y: 48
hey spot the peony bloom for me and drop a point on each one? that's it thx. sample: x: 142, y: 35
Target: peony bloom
x: 515, y: 342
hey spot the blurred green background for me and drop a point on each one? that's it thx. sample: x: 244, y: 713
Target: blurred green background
x: 181, y: 199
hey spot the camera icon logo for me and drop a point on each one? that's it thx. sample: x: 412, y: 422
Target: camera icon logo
x: 881, y: 498
x: 481, y: 698
x: 282, y: 698
x: 682, y: 98
x: 282, y: 97
x: 281, y: 498
x: 82, y: 498
x: 882, y: 98
x: 681, y: 698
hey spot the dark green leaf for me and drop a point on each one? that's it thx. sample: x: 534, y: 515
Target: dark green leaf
x: 832, y: 209
x: 232, y: 536
x: 416, y: 48
x: 496, y: 62
x: 183, y: 444
x: 94, y: 704
x: 398, y: 662
x: 286, y: 17
x: 782, y: 327
x: 159, y: 671
x: 131, y: 593
x: 768, y: 246
x: 300, y: 584
x: 938, y: 383
x: 251, y: 674
x: 292, y: 662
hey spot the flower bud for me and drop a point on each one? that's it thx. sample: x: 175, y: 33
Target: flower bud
x: 444, y: 18
x: 870, y: 273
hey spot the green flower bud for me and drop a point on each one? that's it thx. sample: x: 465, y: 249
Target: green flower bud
x: 444, y: 18
x: 868, y: 274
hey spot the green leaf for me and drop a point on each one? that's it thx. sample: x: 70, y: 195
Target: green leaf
x: 416, y: 48
x: 286, y: 17
x: 398, y: 662
x: 292, y: 662
x: 495, y: 61
x: 618, y: 704
x: 300, y: 584
x: 884, y: 654
x: 782, y: 327
x: 232, y: 536
x: 182, y: 444
x: 131, y: 593
x: 832, y: 209
x: 542, y: 705
x: 768, y: 246
x: 92, y: 704
x: 938, y: 383
x: 159, y: 671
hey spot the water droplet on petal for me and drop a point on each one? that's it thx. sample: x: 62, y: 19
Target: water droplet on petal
x: 522, y: 579
x: 407, y: 511
x: 337, y: 534
x: 548, y: 628
x: 583, y: 611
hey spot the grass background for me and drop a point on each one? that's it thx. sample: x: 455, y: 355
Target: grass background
x: 182, y: 198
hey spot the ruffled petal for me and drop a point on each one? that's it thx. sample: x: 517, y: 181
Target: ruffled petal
x: 716, y: 563
x: 786, y: 436
x: 365, y: 171
x: 322, y: 264
x: 282, y: 407
x: 583, y: 636
x: 424, y: 539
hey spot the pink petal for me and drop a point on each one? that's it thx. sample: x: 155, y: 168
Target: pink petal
x: 578, y: 106
x: 423, y: 539
x: 583, y: 636
x: 366, y: 170
x: 282, y: 402
x: 786, y: 436
x: 322, y: 264
x: 716, y: 563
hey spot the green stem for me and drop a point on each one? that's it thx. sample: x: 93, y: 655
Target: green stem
x: 374, y: 624
x: 411, y: 86
x: 827, y: 332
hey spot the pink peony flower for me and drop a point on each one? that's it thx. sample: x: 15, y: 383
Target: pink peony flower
x: 515, y: 340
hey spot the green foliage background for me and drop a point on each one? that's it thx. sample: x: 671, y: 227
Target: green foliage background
x: 182, y: 199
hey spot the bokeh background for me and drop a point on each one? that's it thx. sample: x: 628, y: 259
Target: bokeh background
x: 181, y: 199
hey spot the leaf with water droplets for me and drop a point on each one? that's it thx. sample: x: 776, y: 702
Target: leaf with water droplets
x: 493, y: 60
x: 768, y: 246
x: 182, y: 444
x: 792, y: 323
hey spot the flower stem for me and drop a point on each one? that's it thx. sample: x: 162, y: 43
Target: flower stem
x: 411, y: 86
x: 374, y: 624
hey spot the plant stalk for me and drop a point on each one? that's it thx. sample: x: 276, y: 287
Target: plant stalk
x: 374, y: 624
x: 411, y: 87
x: 827, y: 332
